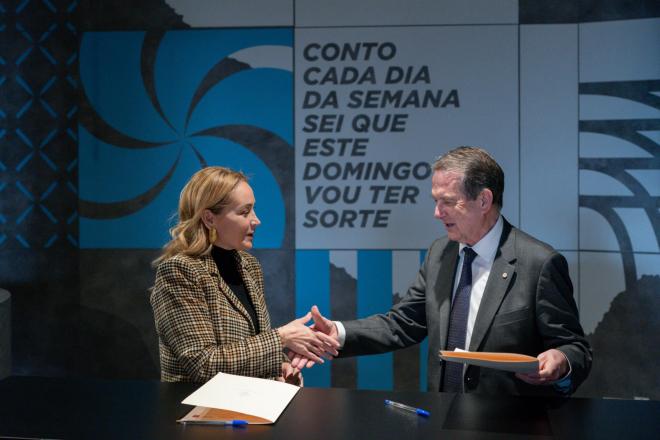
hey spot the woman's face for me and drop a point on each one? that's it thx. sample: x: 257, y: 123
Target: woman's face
x: 236, y: 223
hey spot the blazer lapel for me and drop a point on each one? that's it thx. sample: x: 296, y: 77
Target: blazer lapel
x: 257, y: 300
x: 501, y: 275
x: 225, y: 289
x: 445, y: 286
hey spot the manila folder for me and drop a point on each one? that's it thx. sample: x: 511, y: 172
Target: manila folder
x: 514, y: 362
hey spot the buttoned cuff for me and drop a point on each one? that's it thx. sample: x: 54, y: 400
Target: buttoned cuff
x: 565, y: 384
x: 341, y: 333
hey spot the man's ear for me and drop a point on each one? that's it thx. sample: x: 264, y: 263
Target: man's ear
x: 485, y: 199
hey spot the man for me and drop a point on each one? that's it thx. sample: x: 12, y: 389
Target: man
x: 515, y: 295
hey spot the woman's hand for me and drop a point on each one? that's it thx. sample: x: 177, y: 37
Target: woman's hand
x: 313, y: 345
x: 291, y: 375
x: 321, y: 324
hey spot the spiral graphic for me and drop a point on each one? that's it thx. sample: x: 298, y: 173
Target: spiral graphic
x: 158, y: 106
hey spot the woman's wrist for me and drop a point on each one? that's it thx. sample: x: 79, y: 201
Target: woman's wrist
x: 283, y: 334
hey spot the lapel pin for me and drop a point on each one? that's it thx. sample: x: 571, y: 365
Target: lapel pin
x: 504, y: 275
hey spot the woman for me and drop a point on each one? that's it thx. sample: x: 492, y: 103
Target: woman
x: 208, y: 298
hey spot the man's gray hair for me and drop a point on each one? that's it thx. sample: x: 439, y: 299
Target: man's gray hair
x: 479, y: 170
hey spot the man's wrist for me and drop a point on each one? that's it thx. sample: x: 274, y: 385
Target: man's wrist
x: 564, y: 384
x: 567, y: 375
x: 341, y: 333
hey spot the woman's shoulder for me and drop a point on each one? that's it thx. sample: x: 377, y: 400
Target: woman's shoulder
x: 249, y: 261
x: 181, y: 263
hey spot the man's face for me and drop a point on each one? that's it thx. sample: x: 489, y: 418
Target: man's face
x: 465, y: 220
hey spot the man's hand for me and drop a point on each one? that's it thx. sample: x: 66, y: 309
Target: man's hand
x: 314, y: 345
x: 324, y: 325
x: 553, y: 365
x: 321, y: 325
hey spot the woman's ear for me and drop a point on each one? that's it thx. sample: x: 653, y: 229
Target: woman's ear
x: 207, y: 218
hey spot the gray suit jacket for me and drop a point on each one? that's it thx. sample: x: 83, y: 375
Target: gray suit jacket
x: 529, y: 310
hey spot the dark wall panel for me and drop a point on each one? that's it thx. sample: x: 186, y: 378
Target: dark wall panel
x: 38, y: 182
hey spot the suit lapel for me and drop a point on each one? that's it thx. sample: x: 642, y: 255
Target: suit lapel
x: 225, y: 289
x: 501, y: 276
x: 445, y: 286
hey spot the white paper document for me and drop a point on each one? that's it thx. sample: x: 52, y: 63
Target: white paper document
x: 514, y: 362
x: 248, y: 396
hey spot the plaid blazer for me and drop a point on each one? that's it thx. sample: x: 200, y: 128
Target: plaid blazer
x: 203, y: 327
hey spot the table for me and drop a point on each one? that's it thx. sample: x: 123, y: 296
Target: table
x: 76, y: 408
x: 5, y: 333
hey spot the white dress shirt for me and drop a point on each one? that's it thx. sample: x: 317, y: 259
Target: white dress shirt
x: 486, y: 248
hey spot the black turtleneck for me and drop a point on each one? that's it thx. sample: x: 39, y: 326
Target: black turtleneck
x: 228, y: 267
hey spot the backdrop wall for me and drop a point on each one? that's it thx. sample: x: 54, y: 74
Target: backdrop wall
x: 335, y: 109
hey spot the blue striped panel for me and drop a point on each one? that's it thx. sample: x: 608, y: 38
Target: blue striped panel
x: 423, y: 347
x: 423, y: 359
x: 374, y: 295
x: 313, y: 287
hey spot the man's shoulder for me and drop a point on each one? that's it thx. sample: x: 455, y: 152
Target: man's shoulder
x: 441, y: 245
x: 530, y: 245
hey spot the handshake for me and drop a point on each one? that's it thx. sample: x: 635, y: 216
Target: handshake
x: 308, y: 345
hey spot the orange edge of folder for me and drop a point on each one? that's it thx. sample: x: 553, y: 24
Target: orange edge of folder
x: 489, y: 356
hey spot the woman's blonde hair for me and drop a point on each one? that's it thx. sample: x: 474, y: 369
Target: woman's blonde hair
x: 209, y: 188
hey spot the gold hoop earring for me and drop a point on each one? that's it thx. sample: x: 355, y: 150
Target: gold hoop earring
x: 213, y: 235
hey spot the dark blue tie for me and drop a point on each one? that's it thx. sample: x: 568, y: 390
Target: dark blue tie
x: 460, y: 308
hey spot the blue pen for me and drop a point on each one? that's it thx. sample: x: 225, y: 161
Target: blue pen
x: 216, y: 422
x: 421, y: 412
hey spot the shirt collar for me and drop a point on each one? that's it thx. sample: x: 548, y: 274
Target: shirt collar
x: 486, y: 248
